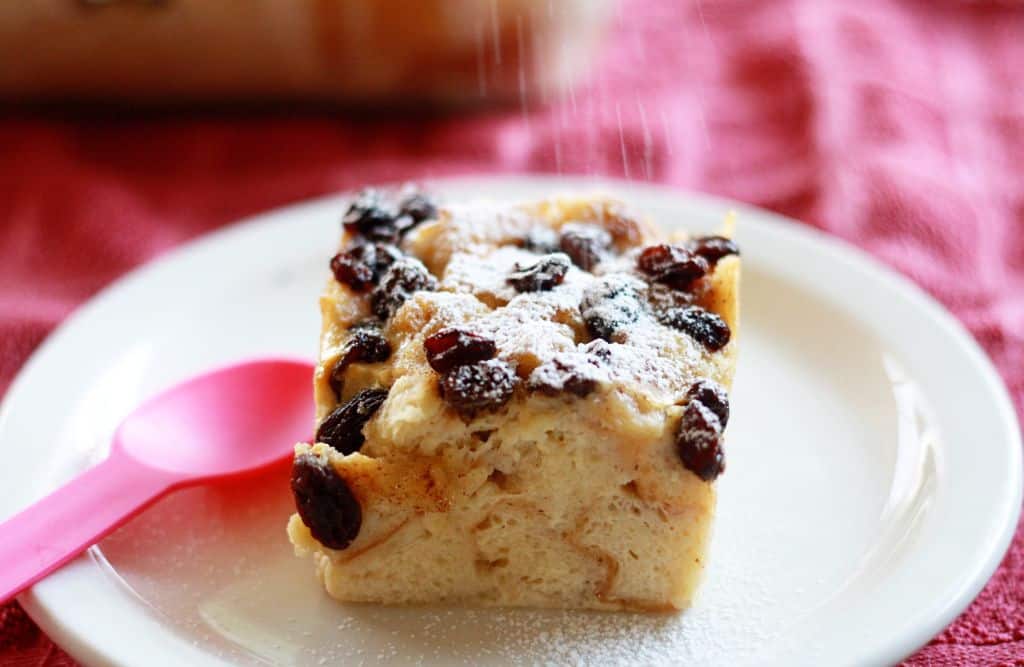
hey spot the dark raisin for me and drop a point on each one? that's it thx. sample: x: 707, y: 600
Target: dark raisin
x: 343, y: 428
x: 712, y: 248
x: 586, y: 245
x: 325, y: 502
x: 548, y: 272
x: 453, y: 347
x: 699, y: 441
x: 662, y: 297
x: 366, y: 345
x: 402, y: 279
x: 414, y: 210
x: 372, y: 217
x: 713, y: 396
x: 705, y: 327
x: 599, y: 348
x: 361, y: 265
x: 349, y: 269
x: 541, y: 240
x: 485, y: 385
x: 672, y: 265
x: 609, y: 306
x: 578, y: 374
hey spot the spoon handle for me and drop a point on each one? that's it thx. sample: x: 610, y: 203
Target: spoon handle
x: 42, y: 538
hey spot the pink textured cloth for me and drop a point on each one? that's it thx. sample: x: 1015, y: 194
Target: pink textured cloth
x: 897, y: 125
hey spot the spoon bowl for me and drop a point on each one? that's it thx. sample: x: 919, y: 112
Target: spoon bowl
x: 229, y: 422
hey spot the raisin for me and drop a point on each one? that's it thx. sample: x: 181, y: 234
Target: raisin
x: 485, y: 385
x: 712, y: 248
x: 343, y: 428
x: 586, y: 245
x: 578, y: 374
x: 541, y: 240
x: 699, y: 441
x: 713, y: 396
x: 548, y: 272
x: 414, y: 210
x: 401, y: 280
x: 453, y: 347
x: 366, y: 345
x: 599, y: 348
x: 372, y: 217
x: 609, y: 306
x: 325, y: 502
x: 361, y: 265
x: 705, y: 327
x: 662, y: 298
x: 672, y: 265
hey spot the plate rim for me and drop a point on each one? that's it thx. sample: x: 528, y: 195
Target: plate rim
x: 896, y: 648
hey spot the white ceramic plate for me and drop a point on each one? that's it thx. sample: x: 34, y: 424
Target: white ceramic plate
x: 874, y: 473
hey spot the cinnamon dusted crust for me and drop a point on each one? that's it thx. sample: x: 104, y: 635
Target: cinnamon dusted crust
x: 559, y: 448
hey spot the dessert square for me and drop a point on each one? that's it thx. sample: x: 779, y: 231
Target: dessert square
x: 517, y: 405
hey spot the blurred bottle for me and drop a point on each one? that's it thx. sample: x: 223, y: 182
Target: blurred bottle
x: 364, y: 52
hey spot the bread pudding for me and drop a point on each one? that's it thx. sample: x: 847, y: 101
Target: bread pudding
x: 517, y: 405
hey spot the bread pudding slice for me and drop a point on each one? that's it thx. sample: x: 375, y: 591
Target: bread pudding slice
x: 518, y: 405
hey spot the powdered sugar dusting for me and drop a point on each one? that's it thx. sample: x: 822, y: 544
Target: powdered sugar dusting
x: 576, y: 372
x: 486, y: 274
x: 483, y: 243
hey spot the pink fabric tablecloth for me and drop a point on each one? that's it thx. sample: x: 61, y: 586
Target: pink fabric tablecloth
x: 897, y: 125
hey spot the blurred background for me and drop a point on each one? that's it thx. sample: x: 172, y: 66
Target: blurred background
x: 130, y: 126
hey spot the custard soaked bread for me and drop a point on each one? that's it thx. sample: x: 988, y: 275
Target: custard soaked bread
x: 518, y: 405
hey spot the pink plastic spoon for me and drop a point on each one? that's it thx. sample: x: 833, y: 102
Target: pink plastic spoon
x: 229, y: 422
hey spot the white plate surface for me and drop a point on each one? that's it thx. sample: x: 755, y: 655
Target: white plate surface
x: 874, y: 475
